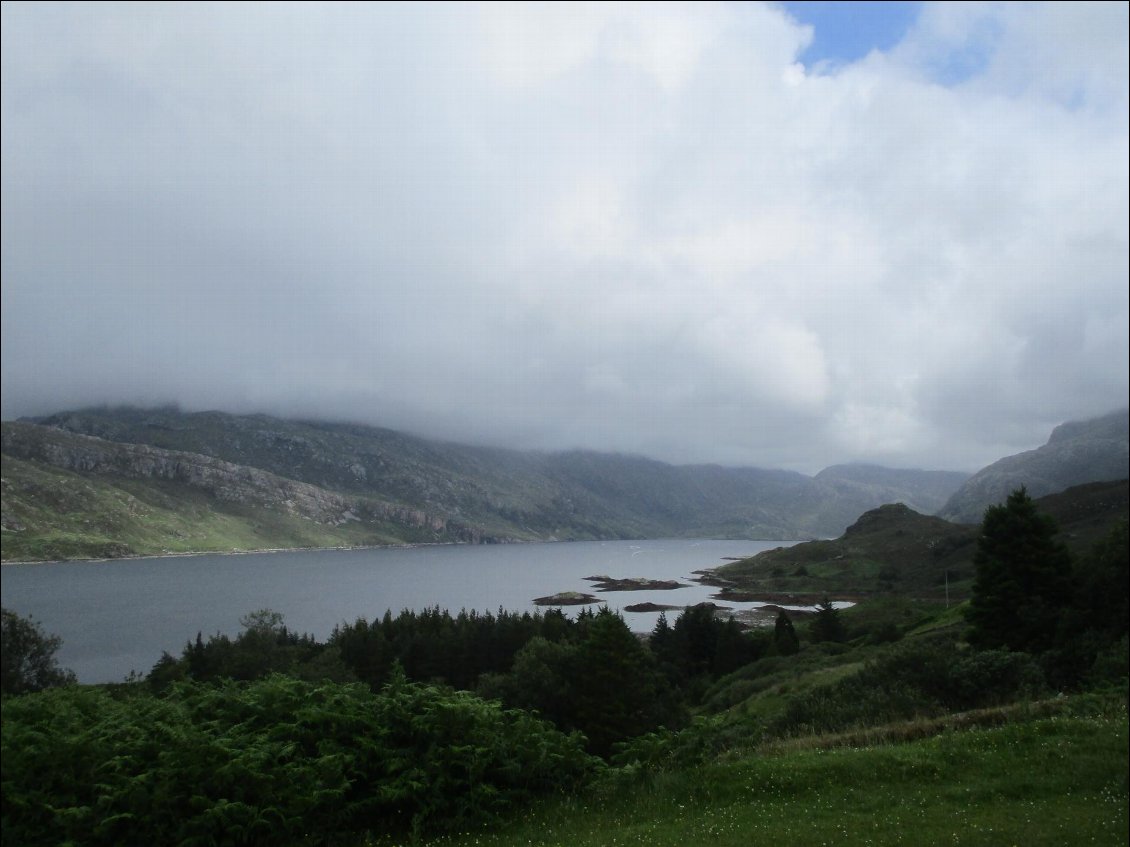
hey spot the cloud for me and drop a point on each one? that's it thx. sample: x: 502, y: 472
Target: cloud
x: 630, y: 227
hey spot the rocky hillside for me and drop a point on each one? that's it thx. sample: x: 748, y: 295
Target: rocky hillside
x: 894, y: 549
x: 1076, y: 453
x: 67, y: 495
x: 343, y: 484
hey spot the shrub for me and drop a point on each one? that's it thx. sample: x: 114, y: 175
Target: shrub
x: 274, y: 761
x: 27, y: 656
x: 913, y: 680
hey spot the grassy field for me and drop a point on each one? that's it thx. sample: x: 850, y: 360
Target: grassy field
x: 1050, y: 781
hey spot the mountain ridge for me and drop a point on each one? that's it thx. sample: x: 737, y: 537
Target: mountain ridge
x: 1076, y: 452
x: 254, y: 481
x: 468, y: 493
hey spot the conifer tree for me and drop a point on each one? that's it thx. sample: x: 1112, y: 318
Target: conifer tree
x: 1023, y: 580
x: 827, y: 626
x: 617, y: 687
x: 784, y: 635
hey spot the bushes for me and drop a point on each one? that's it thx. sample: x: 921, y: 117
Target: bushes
x: 271, y: 762
x: 913, y: 680
x: 27, y: 656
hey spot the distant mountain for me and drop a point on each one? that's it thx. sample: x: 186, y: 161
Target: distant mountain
x: 893, y: 549
x: 256, y: 481
x: 845, y: 486
x: 1079, y: 452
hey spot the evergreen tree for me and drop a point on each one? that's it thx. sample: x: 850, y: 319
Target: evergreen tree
x: 662, y: 641
x: 827, y: 626
x: 696, y: 637
x: 1023, y: 581
x: 732, y: 649
x: 784, y: 635
x: 1102, y: 598
x: 617, y: 688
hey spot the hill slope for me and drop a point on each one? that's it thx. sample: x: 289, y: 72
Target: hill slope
x: 468, y: 492
x: 894, y: 549
x: 1095, y: 450
x: 67, y: 495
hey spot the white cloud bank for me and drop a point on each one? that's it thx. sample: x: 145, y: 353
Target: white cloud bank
x: 638, y: 227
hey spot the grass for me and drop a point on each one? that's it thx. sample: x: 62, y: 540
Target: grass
x: 1049, y: 781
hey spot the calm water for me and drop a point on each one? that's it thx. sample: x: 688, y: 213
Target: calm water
x: 116, y: 617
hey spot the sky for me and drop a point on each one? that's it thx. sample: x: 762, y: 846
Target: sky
x: 774, y: 235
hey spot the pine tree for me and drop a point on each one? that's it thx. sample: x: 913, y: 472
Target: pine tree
x: 784, y: 635
x: 1023, y: 581
x: 827, y: 626
x: 616, y: 685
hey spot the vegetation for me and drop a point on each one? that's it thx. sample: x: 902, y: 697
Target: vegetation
x: 27, y: 656
x: 894, y: 551
x: 277, y: 761
x: 896, y: 721
x: 1023, y: 579
x: 889, y: 550
x: 59, y: 514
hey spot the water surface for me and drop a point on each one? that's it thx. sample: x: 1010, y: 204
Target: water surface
x: 118, y: 616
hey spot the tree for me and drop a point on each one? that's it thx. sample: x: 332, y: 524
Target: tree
x: 1103, y: 575
x: 827, y: 626
x: 538, y: 682
x: 1023, y: 580
x: 1091, y: 644
x: 27, y: 656
x: 784, y: 635
x: 696, y: 635
x: 616, y: 686
x: 662, y: 641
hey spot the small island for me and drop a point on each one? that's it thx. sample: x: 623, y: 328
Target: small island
x: 633, y: 583
x: 650, y: 607
x: 710, y: 577
x: 566, y: 598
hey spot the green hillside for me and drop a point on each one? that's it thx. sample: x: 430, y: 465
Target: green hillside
x: 50, y: 513
x: 893, y: 549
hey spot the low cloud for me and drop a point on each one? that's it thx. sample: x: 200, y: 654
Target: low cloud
x: 635, y: 228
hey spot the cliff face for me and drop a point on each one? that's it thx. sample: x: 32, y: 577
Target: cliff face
x: 225, y: 481
x: 1076, y: 453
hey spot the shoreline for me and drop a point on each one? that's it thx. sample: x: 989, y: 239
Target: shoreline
x: 405, y: 546
x: 257, y: 551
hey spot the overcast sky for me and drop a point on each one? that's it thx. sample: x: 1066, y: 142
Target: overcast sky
x: 772, y: 235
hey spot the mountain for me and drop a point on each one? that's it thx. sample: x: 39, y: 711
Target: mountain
x: 845, y: 485
x: 1079, y: 452
x: 75, y: 496
x: 893, y: 549
x: 257, y: 481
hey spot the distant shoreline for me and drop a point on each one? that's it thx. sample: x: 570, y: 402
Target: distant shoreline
x: 405, y: 546
x: 255, y: 552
